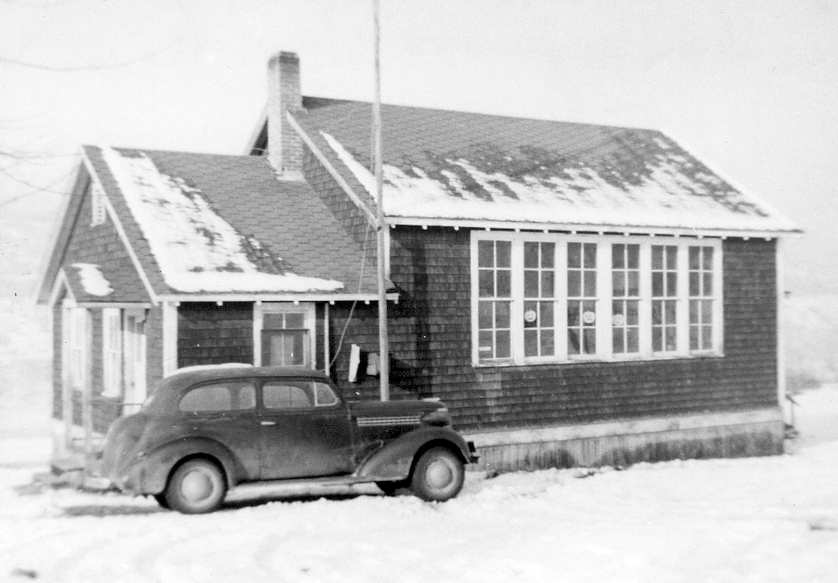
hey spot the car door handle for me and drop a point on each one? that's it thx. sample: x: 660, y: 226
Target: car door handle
x: 267, y: 423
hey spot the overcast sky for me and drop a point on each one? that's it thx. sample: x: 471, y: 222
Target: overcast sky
x: 750, y: 87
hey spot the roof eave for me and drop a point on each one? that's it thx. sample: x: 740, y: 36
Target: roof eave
x: 277, y: 297
x: 652, y: 230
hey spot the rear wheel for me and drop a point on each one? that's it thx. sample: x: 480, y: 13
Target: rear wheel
x: 438, y: 475
x: 196, y: 487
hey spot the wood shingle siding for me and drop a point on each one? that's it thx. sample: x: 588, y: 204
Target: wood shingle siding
x: 213, y: 334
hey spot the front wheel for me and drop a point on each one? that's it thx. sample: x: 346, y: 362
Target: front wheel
x: 196, y: 487
x: 438, y: 475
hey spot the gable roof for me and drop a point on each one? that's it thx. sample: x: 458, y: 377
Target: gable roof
x: 446, y: 167
x: 203, y: 224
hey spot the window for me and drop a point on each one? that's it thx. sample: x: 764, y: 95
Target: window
x: 701, y: 298
x: 297, y: 395
x: 111, y: 352
x: 540, y: 297
x: 664, y: 298
x: 495, y: 299
x: 581, y: 298
x: 284, y: 334
x: 625, y: 303
x: 97, y: 203
x: 79, y: 341
x: 220, y: 397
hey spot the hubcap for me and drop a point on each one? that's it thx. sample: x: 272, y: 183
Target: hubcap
x: 439, y: 474
x: 197, y: 486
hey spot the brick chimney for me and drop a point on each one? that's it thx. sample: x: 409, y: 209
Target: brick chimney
x: 285, y: 149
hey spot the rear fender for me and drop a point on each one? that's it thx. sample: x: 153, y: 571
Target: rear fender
x: 150, y: 474
x: 395, y: 460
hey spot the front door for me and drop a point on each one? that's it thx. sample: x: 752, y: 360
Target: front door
x: 305, y: 431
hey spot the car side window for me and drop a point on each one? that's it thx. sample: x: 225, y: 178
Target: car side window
x: 324, y: 395
x: 286, y: 395
x: 219, y: 397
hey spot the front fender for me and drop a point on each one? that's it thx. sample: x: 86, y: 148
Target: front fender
x: 151, y: 472
x: 395, y: 460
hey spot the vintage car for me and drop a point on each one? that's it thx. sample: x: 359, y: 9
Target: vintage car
x: 205, y: 431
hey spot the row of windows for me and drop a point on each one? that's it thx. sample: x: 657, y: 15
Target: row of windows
x: 550, y: 298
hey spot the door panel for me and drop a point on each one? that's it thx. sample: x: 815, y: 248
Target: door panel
x: 299, y: 437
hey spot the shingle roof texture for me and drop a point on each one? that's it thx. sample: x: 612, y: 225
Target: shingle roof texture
x: 296, y: 232
x: 502, y: 168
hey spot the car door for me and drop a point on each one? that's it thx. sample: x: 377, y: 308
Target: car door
x: 305, y: 430
x: 225, y: 412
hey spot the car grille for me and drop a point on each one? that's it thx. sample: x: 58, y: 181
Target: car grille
x: 394, y: 420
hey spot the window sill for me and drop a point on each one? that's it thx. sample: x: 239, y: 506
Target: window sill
x: 594, y: 360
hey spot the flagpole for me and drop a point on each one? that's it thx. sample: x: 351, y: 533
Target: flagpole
x: 384, y: 349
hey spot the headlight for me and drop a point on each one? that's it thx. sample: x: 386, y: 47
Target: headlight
x: 439, y: 416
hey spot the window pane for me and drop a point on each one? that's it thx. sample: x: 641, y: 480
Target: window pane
x: 486, y: 283
x: 618, y: 285
x: 590, y: 341
x: 657, y: 284
x: 573, y: 318
x: 485, y: 253
x: 547, y: 348
x: 632, y: 313
x: 671, y: 257
x: 502, y: 314
x: 504, y: 285
x: 708, y: 284
x: 503, y: 346
x: 484, y: 315
x: 657, y: 257
x: 633, y: 283
x: 695, y: 284
x: 694, y: 340
x: 590, y: 284
x: 530, y: 342
x: 618, y: 257
x: 708, y: 259
x: 574, y: 284
x: 670, y: 312
x: 657, y: 312
x: 530, y: 254
x: 233, y: 396
x: 285, y: 348
x: 707, y: 312
x: 486, y: 344
x: 632, y: 340
x: 295, y: 320
x: 324, y: 395
x: 546, y: 319
x: 286, y: 396
x: 503, y: 253
x: 633, y: 256
x: 695, y: 258
x: 670, y: 338
x: 672, y: 285
x: 573, y: 341
x: 574, y: 255
x: 590, y: 254
x: 273, y: 321
x: 617, y: 345
x: 548, y: 254
x: 547, y: 287
x: 531, y: 284
x: 531, y: 314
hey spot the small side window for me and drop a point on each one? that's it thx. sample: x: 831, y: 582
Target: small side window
x: 230, y: 396
x: 324, y: 395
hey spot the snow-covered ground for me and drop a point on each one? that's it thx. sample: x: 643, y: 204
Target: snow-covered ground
x: 759, y: 519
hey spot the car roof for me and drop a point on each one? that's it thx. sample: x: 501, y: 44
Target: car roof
x: 190, y: 375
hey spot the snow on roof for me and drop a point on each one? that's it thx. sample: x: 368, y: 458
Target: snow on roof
x: 92, y: 280
x: 671, y: 192
x: 196, y: 249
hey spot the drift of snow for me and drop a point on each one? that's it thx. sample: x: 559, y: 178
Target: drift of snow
x: 92, y: 279
x: 197, y: 250
x: 772, y: 519
x: 666, y: 198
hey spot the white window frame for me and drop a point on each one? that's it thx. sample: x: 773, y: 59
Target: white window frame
x: 134, y: 353
x: 309, y: 322
x: 98, y: 213
x: 111, y: 352
x: 79, y: 321
x: 604, y: 297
